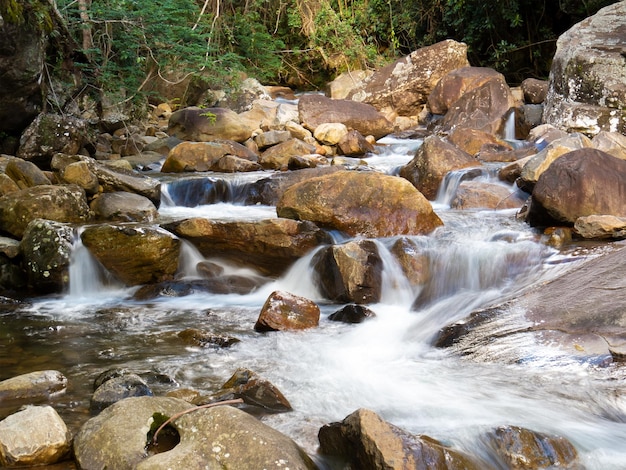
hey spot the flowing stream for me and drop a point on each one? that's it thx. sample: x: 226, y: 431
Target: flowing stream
x: 386, y: 364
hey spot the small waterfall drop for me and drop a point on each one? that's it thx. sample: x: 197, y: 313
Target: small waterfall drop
x: 450, y: 183
x: 509, y: 126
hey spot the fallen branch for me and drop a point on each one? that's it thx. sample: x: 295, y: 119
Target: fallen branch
x: 178, y: 415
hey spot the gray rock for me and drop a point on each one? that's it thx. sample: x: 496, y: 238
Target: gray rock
x: 38, y: 384
x: 123, y: 207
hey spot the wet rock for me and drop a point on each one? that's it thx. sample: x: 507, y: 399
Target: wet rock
x: 47, y: 249
x: 513, y: 170
x: 353, y: 313
x: 567, y: 190
x: 354, y: 144
x: 123, y: 207
x: 208, y: 124
x: 485, y: 108
x: 455, y: 84
x: 255, y: 392
x: 432, y: 162
x: 351, y: 272
x: 285, y: 311
x: 601, y: 227
x: 119, y: 179
x: 520, y: 449
x: 535, y: 91
x: 413, y: 260
x: 364, y: 440
x: 270, y: 245
x: 587, y: 92
x: 278, y: 156
x: 317, y: 109
x: 34, y: 436
x: 203, y: 156
x: 405, y: 85
x: 52, y: 133
x: 307, y: 161
x: 117, y: 388
x: 65, y: 203
x: 471, y: 141
x: 371, y: 204
x: 539, y: 163
x: 39, y: 384
x: 154, y: 252
x: 203, y: 339
x: 25, y: 174
x: 117, y: 438
x: 482, y: 195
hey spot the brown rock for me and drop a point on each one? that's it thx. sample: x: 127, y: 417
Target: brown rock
x: 354, y: 144
x: 482, y: 195
x: 203, y: 156
x: 413, y: 260
x: 404, y: 86
x: 455, y: 84
x: 284, y: 311
x: 535, y: 91
x: 80, y: 174
x: 124, y: 207
x: 471, y: 141
x: 360, y: 203
x: 278, y: 156
x: 208, y: 124
x: 432, y: 162
x: 601, y: 226
x: 25, y: 174
x: 154, y: 252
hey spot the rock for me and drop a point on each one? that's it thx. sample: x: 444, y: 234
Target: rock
x: 7, y: 185
x: 568, y: 189
x: 63, y: 203
x: 600, y: 227
x: 432, y: 162
x: 485, y: 108
x: 360, y: 203
x: 404, y: 86
x: 34, y: 436
x: 317, y: 109
x: 117, y: 438
x: 535, y: 166
x: 118, y: 179
x: 535, y: 91
x: 482, y: 195
x: 364, y: 440
x: 330, y: 133
x: 155, y: 252
x: 527, y: 117
x: 34, y: 385
x: 351, y: 272
x: 345, y: 82
x: 10, y: 247
x: 270, y: 245
x: 47, y: 249
x: 203, y: 339
x: 471, y: 141
x: 253, y: 390
x: 22, y: 59
x: 203, y: 156
x: 285, y: 311
x: 269, y: 138
x: 413, y: 260
x: 455, y: 84
x: 587, y: 91
x: 248, y: 91
x: 307, y: 161
x: 610, y: 142
x: 297, y: 131
x: 116, y: 389
x: 513, y: 170
x: 354, y: 144
x: 80, y: 174
x: 353, y: 313
x: 25, y: 174
x: 208, y: 124
x: 277, y: 157
x: 123, y: 207
x: 232, y: 164
x: 519, y: 448
x: 52, y: 133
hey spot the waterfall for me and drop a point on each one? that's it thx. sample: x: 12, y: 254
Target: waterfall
x: 452, y: 180
x: 509, y: 126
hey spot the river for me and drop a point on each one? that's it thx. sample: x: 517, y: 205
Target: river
x: 386, y: 364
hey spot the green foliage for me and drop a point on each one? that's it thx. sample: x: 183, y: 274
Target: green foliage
x: 34, y: 13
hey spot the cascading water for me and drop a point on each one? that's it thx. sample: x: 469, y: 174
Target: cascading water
x: 387, y: 363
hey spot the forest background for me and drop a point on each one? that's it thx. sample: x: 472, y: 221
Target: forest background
x: 122, y: 44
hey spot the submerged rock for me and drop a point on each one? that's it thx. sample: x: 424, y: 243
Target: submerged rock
x: 39, y: 384
x: 352, y: 313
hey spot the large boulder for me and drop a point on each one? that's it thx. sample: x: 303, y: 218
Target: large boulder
x: 370, y: 204
x: 25, y: 173
x: 404, y: 86
x: 432, y: 162
x: 486, y: 108
x: 285, y: 311
x: 211, y: 438
x: 47, y: 249
x: 35, y: 435
x: 270, y: 245
x: 351, y: 272
x: 63, y: 203
x: 483, y: 195
x: 569, y: 188
x: 123, y: 207
x: 364, y: 440
x: 207, y: 124
x: 22, y: 57
x: 204, y: 156
x: 317, y: 109
x: 277, y: 157
x: 587, y: 91
x: 135, y: 254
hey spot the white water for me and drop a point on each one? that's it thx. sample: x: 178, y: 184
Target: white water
x: 387, y: 363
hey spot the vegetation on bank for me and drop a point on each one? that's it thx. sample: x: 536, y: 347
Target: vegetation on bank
x: 122, y: 44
